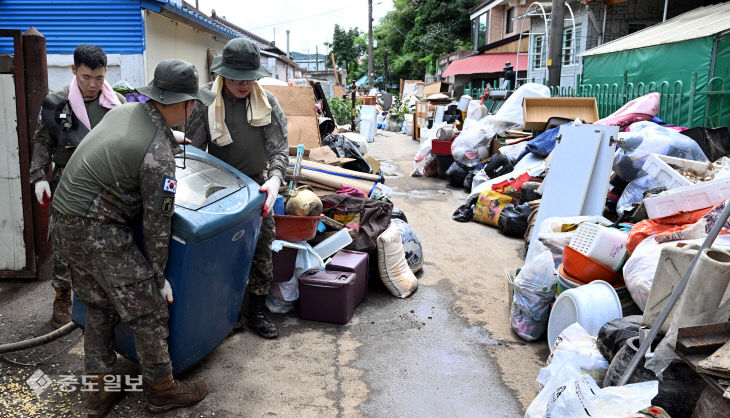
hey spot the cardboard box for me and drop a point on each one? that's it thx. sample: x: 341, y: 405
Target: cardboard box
x: 537, y: 110
x: 437, y: 87
x: 297, y: 102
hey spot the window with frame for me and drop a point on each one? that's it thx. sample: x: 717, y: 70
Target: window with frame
x: 571, y: 45
x: 509, y: 26
x: 483, y: 25
x: 538, y: 52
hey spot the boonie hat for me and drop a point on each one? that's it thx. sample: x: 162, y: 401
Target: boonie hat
x: 176, y: 81
x: 241, y: 60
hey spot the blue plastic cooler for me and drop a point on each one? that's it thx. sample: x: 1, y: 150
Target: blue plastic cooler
x: 214, y: 232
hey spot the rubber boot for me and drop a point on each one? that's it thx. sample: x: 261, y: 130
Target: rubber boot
x: 169, y: 393
x: 256, y: 318
x: 61, y: 308
x: 99, y: 402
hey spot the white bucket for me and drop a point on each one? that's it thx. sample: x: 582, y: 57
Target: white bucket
x: 591, y: 305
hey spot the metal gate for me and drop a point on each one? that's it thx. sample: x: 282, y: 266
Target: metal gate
x: 17, y: 255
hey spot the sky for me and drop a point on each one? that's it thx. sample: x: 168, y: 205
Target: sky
x: 311, y: 24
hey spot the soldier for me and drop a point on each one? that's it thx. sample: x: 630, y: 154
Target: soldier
x: 123, y: 173
x: 247, y: 129
x: 67, y: 116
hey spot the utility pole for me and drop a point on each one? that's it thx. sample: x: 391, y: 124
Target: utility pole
x: 386, y: 71
x: 370, y: 45
x: 555, y: 45
x: 287, y: 55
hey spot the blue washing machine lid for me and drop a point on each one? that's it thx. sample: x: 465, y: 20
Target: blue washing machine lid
x: 211, y: 197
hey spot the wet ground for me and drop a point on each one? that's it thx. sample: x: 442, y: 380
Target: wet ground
x: 445, y: 351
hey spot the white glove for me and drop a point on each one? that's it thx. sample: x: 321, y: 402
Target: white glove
x: 271, y: 187
x: 180, y: 137
x: 42, y: 189
x: 166, y: 292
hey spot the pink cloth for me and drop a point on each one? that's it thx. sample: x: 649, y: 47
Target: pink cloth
x: 351, y: 191
x: 641, y: 108
x: 108, y: 99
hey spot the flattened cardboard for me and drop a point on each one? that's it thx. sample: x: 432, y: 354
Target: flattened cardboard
x: 297, y: 102
x: 537, y: 110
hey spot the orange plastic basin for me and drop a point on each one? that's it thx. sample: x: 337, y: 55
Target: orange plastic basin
x: 295, y: 228
x: 584, y: 269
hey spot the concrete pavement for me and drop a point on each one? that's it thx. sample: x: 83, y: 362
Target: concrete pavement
x: 445, y: 351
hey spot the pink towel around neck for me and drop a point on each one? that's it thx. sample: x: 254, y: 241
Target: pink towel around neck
x: 108, y: 99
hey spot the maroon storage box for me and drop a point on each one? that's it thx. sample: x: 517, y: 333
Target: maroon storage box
x: 441, y: 147
x: 283, y: 263
x: 353, y: 261
x: 329, y: 296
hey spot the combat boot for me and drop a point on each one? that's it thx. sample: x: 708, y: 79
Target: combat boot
x: 256, y: 318
x: 99, y: 402
x: 169, y: 393
x: 61, y: 308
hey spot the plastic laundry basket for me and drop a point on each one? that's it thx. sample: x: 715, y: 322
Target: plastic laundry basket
x: 605, y: 245
x: 590, y: 305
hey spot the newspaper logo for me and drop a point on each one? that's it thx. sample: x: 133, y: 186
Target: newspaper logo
x: 39, y: 382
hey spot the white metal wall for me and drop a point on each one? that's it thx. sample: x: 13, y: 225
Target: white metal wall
x: 12, y: 245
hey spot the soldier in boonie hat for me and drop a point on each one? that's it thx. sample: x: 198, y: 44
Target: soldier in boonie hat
x: 124, y: 172
x: 246, y: 128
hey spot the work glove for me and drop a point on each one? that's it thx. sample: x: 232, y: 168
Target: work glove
x: 180, y: 137
x: 166, y: 292
x: 271, y: 187
x: 42, y: 190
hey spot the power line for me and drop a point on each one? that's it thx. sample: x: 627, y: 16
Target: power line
x: 300, y: 18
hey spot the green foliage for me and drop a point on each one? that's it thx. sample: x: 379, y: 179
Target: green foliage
x: 398, y: 110
x: 347, y: 47
x: 123, y: 90
x: 417, y: 32
x: 342, y: 109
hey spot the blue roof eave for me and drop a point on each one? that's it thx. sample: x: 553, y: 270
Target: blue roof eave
x: 189, y: 15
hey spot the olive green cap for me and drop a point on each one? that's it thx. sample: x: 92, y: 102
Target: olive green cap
x: 176, y: 81
x: 241, y: 60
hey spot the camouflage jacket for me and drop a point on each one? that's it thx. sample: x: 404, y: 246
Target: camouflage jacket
x: 277, y: 147
x: 124, y: 172
x: 44, y: 148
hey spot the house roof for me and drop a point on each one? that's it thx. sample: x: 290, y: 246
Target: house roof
x: 190, y: 15
x: 482, y: 63
x: 697, y: 23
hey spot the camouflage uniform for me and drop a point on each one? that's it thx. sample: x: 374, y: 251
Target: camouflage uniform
x: 122, y: 173
x: 277, y: 159
x: 45, y: 144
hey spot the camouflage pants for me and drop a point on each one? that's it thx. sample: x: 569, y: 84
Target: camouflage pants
x: 61, y: 272
x: 261, y: 274
x: 113, y: 279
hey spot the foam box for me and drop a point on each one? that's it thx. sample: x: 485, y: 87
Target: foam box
x: 658, y: 167
x: 688, y: 198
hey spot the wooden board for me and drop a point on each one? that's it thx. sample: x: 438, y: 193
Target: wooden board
x: 12, y: 252
x: 537, y: 110
x: 339, y: 91
x: 297, y: 102
x: 566, y: 183
x: 717, y: 364
x: 598, y: 187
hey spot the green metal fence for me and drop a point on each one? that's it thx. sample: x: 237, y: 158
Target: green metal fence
x: 680, y: 104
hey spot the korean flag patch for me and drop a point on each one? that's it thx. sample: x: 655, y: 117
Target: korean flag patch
x: 170, y: 185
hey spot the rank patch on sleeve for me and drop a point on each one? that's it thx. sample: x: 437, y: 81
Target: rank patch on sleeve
x: 168, y: 205
x: 170, y: 185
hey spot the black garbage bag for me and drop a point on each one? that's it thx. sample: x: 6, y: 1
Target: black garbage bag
x: 513, y: 220
x: 345, y: 148
x: 457, y: 173
x: 679, y: 388
x: 528, y: 191
x: 465, y: 213
x: 614, y: 333
x: 715, y: 143
x: 499, y: 165
x: 398, y: 214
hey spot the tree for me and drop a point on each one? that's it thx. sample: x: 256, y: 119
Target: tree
x: 417, y: 32
x: 345, y: 48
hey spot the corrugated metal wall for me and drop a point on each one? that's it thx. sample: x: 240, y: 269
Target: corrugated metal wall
x: 114, y: 25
